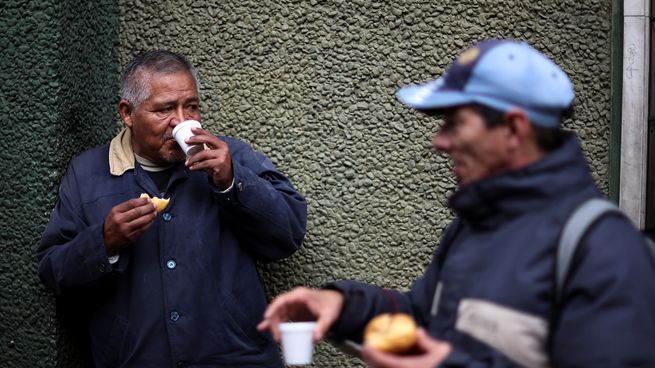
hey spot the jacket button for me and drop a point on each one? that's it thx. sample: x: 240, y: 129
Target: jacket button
x: 171, y: 264
x: 166, y: 216
x: 240, y: 186
x: 102, y: 268
x: 181, y: 364
x: 175, y: 316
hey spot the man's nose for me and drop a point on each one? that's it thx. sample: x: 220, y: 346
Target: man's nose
x: 178, y: 117
x: 441, y: 141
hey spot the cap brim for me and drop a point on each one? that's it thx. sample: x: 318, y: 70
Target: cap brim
x: 427, y: 97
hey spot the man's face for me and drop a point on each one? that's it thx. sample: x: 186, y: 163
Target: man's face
x: 475, y: 150
x: 173, y: 99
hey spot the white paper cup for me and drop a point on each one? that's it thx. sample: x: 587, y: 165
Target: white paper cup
x: 182, y: 131
x: 297, y: 344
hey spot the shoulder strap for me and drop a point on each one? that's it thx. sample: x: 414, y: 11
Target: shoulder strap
x: 575, y: 228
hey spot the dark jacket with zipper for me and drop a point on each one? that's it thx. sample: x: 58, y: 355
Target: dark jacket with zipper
x: 490, y: 288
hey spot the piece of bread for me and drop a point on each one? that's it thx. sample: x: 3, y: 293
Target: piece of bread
x: 391, y: 333
x: 160, y: 203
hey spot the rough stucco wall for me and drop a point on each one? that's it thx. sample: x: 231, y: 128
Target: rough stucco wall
x: 59, y: 86
x: 312, y: 83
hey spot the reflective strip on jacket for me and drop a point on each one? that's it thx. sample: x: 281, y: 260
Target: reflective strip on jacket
x: 489, y: 289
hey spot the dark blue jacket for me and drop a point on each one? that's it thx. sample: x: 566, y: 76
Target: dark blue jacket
x: 489, y: 289
x: 187, y: 292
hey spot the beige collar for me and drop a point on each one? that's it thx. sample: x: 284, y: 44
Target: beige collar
x: 121, y: 155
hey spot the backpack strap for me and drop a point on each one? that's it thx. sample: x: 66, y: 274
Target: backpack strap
x: 574, y: 230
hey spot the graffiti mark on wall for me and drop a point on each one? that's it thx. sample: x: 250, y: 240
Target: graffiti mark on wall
x: 630, y: 61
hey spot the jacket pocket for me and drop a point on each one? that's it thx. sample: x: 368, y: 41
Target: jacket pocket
x: 112, y: 343
x: 240, y: 329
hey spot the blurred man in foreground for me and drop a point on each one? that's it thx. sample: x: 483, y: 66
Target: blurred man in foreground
x: 488, y: 297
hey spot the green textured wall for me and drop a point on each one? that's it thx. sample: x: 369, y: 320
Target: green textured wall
x: 310, y: 83
x: 59, y: 86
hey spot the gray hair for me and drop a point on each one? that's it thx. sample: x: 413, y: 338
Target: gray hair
x: 137, y: 73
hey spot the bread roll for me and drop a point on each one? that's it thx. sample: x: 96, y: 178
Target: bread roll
x: 160, y: 203
x: 391, y: 333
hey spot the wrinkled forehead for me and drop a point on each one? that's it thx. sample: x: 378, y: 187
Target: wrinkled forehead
x: 149, y: 79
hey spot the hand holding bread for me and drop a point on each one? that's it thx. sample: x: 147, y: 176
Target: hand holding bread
x: 428, y: 352
x: 160, y: 203
x: 391, y: 333
x: 126, y: 221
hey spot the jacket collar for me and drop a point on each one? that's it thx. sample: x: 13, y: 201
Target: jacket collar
x: 489, y: 202
x: 121, y: 155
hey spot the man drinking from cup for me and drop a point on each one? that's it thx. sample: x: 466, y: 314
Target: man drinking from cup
x: 179, y: 287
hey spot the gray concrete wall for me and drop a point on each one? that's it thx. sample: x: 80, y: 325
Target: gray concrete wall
x: 310, y: 83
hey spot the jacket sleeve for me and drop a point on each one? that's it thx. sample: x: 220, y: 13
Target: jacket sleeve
x: 263, y: 208
x: 607, y: 317
x: 71, y: 253
x: 362, y: 301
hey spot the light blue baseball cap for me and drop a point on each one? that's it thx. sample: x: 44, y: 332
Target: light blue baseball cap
x: 500, y: 74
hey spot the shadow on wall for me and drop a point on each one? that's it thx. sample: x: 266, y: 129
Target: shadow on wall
x: 59, y: 67
x: 87, y: 72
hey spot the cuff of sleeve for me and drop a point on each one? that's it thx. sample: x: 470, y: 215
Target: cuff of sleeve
x: 96, y: 259
x: 113, y: 259
x: 230, y: 196
x: 228, y: 188
x: 343, y: 328
x: 100, y: 263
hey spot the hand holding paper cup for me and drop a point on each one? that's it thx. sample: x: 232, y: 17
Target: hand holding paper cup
x: 183, y: 131
x: 297, y: 343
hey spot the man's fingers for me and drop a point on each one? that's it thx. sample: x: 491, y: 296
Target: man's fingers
x: 274, y: 314
x: 143, y: 222
x: 202, y: 136
x: 424, y: 341
x: 132, y: 215
x: 205, y: 163
x: 326, y: 306
x: 304, y: 304
x: 215, y: 161
x: 288, y: 306
x: 381, y: 360
x: 138, y: 212
x: 431, y: 352
x: 323, y: 325
x: 130, y: 204
x: 221, y: 153
x: 131, y: 230
x: 275, y: 329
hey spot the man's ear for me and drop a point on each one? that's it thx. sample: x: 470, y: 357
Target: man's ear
x: 518, y: 128
x: 125, y: 110
x: 518, y: 123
